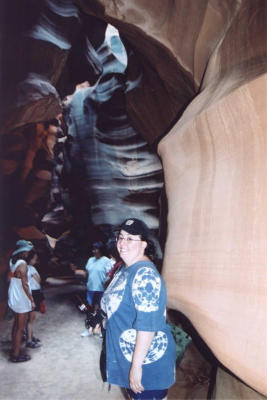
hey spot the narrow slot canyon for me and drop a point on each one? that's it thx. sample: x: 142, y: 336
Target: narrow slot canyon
x: 138, y: 109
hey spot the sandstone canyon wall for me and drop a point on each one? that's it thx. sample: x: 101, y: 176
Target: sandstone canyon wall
x: 72, y: 178
x: 201, y: 100
x: 214, y: 168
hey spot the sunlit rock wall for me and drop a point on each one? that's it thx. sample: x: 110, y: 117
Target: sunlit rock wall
x: 110, y: 168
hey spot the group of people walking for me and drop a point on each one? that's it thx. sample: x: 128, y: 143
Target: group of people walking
x: 24, y: 298
x: 140, y: 349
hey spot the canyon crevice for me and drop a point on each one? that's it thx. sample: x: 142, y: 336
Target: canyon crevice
x: 108, y: 103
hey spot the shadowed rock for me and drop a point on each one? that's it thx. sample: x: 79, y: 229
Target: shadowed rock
x: 203, y: 67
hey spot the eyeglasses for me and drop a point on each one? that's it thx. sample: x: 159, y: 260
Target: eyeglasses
x: 127, y: 239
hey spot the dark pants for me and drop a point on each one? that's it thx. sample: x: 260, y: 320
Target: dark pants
x: 149, y: 394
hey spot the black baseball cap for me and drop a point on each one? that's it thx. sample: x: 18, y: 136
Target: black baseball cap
x: 135, y: 226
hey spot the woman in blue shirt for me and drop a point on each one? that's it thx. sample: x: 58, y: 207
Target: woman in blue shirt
x: 96, y: 272
x: 139, y: 345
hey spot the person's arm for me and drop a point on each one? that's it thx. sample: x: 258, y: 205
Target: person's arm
x: 22, y: 269
x: 143, y: 342
x: 34, y: 271
x: 79, y: 272
x: 72, y: 267
x: 37, y: 277
x: 35, y: 274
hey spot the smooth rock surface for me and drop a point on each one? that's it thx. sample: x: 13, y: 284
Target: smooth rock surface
x: 215, y: 259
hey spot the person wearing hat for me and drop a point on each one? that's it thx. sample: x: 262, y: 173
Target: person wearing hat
x: 20, y: 299
x: 140, y: 349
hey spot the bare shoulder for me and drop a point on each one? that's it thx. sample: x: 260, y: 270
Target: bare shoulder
x: 22, y: 267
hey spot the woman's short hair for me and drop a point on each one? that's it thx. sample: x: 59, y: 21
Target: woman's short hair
x: 100, y: 246
x: 150, y: 250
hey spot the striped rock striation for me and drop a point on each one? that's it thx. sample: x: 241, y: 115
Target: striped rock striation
x: 201, y: 100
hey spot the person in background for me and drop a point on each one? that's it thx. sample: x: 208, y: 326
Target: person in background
x: 140, y: 349
x: 20, y: 299
x: 111, y: 247
x: 34, y: 281
x: 96, y: 270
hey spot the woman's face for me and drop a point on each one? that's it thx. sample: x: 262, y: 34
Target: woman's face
x: 97, y: 253
x: 131, y: 248
x: 24, y: 255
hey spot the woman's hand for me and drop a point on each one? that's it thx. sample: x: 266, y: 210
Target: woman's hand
x: 33, y: 305
x: 97, y: 329
x: 135, y: 377
x: 72, y: 267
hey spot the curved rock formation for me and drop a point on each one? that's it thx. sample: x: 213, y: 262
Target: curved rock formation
x: 109, y: 169
x: 216, y: 246
x: 203, y: 66
x: 101, y: 154
x: 214, y: 166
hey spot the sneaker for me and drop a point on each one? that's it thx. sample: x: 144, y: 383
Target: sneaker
x: 32, y: 345
x: 19, y: 358
x: 35, y: 339
x: 86, y: 333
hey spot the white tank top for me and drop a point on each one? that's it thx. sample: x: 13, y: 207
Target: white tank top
x: 18, y: 301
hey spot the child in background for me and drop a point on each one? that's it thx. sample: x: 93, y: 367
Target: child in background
x: 20, y: 299
x: 34, y: 281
